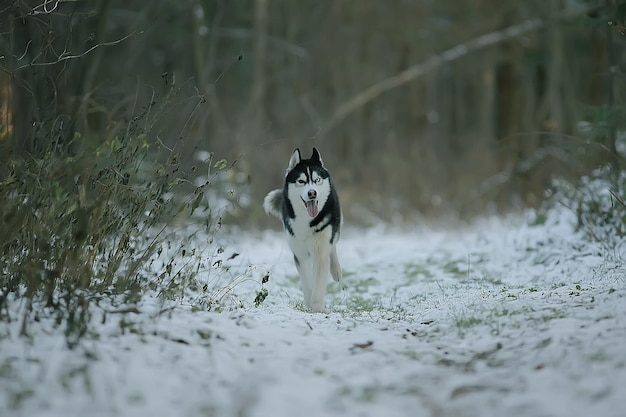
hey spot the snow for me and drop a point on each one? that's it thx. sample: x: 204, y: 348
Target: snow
x: 496, y: 318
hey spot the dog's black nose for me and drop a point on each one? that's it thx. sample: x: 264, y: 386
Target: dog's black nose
x: 312, y: 194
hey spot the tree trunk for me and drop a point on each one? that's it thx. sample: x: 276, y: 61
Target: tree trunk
x: 259, y: 81
x: 610, y: 98
x: 555, y: 73
x: 487, y: 104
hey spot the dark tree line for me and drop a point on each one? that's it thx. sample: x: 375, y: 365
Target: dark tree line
x: 441, y: 104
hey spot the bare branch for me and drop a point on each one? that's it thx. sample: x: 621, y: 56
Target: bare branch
x: 44, y: 6
x: 617, y: 198
x: 48, y: 6
x: 435, y: 61
x: 25, y: 50
x: 64, y: 56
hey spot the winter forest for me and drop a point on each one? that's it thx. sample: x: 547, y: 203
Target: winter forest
x: 446, y: 106
x: 478, y: 148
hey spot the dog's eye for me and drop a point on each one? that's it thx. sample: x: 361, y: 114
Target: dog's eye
x: 301, y: 182
x: 318, y: 180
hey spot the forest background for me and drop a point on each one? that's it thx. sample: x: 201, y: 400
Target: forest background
x: 427, y: 107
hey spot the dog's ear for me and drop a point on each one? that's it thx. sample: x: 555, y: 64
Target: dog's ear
x: 316, y: 157
x: 294, y: 160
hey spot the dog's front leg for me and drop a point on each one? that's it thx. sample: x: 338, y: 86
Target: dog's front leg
x: 307, y: 287
x: 321, y: 270
x: 303, y: 265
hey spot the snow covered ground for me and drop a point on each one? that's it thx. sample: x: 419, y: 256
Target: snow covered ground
x: 495, y: 319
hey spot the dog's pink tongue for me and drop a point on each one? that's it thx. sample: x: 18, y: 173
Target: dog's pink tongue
x: 311, y: 208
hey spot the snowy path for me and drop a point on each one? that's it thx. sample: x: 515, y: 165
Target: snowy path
x: 497, y: 319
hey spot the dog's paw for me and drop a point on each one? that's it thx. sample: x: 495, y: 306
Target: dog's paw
x: 318, y: 308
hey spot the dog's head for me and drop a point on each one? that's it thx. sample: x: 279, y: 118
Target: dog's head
x: 308, y: 183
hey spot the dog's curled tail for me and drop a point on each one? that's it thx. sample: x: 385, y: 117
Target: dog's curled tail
x: 273, y: 203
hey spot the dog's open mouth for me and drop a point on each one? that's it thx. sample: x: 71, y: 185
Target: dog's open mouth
x: 311, y: 207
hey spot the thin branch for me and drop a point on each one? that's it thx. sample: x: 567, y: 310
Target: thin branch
x: 25, y: 50
x: 44, y: 7
x: 65, y: 56
x: 437, y: 60
x: 617, y: 198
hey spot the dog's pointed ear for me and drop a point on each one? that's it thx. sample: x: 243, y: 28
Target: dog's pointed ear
x: 294, y: 160
x: 316, y: 157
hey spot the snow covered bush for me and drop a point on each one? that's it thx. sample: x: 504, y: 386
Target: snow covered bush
x: 94, y: 232
x: 598, y: 201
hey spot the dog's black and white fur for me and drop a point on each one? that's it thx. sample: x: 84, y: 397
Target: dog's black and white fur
x: 309, y: 207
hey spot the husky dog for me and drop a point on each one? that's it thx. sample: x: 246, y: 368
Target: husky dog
x: 309, y: 209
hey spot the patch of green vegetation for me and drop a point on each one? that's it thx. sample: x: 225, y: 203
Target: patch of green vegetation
x: 368, y: 393
x: 598, y: 356
x: 347, y: 274
x: 363, y: 286
x: 135, y: 398
x: 411, y: 354
x: 457, y: 269
x: 299, y: 306
x: 19, y: 396
x: 549, y: 314
x: 351, y: 286
x: 505, y: 312
x: 344, y: 391
x: 414, y: 271
x: 260, y: 297
x: 539, y: 220
x: 492, y: 279
x: 7, y: 370
x: 578, y: 290
x: 507, y: 293
x: 335, y: 288
x: 358, y: 304
x: 464, y: 323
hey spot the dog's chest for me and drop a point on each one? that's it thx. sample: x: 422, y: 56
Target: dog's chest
x: 301, y: 226
x: 306, y: 242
